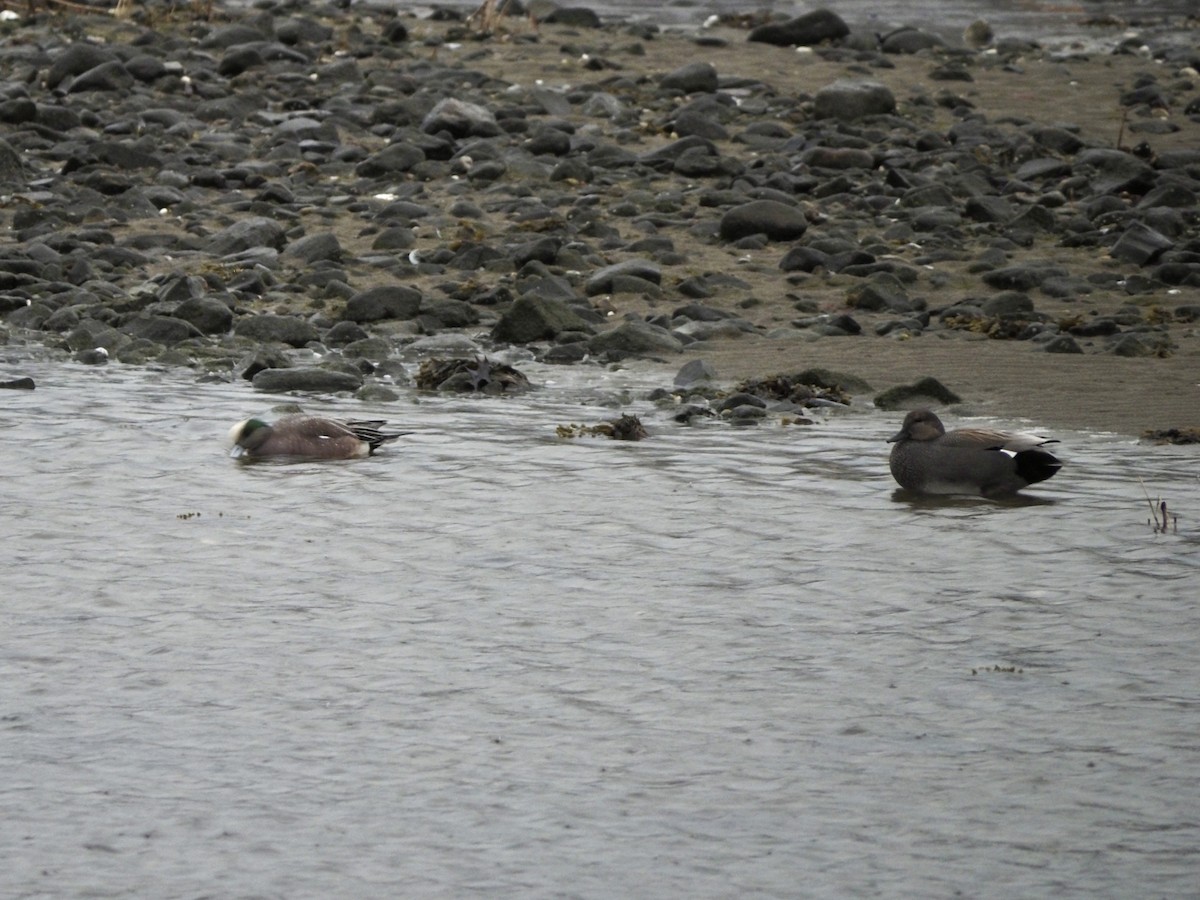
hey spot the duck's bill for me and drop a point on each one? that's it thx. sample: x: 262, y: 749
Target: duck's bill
x: 237, y: 452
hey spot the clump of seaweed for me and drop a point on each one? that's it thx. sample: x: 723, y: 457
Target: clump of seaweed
x: 798, y: 388
x: 625, y: 428
x: 995, y: 327
x: 1173, y: 435
x: 470, y: 376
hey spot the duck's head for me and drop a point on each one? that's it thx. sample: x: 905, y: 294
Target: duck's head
x: 239, y: 436
x: 919, y: 425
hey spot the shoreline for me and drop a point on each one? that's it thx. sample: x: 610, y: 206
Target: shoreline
x: 230, y: 194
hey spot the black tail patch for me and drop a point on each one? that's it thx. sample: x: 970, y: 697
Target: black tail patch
x: 1036, y: 465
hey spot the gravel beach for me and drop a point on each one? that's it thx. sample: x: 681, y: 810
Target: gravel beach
x: 310, y: 197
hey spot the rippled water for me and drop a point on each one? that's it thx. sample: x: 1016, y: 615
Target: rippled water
x: 492, y: 662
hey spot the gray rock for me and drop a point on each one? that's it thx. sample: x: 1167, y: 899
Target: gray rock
x: 398, y: 237
x: 343, y: 333
x: 375, y: 348
x: 848, y: 100
x: 178, y: 288
x: 77, y: 58
x: 548, y: 287
x: 909, y: 40
x: 108, y: 76
x: 883, y: 292
x: 160, y: 329
x: 239, y: 59
x: 807, y: 30
x: 1113, y: 171
x: 389, y: 301
x: 262, y: 358
x: 231, y: 35
x: 310, y: 379
x: 450, y: 313
x: 1141, y: 245
x: 919, y: 393
x: 1023, y: 276
x: 207, y: 314
x: 778, y: 221
x: 534, y: 318
x: 391, y: 160
x: 266, y: 328
x: 246, y: 234
x: 838, y: 158
x: 573, y: 16
x: 741, y: 399
x: 1062, y: 343
x: 12, y: 172
x: 1008, y: 304
x: 608, y: 280
x: 693, y: 123
x: 461, y: 119
x: 315, y: 247
x: 693, y: 78
x: 1131, y: 345
x: 635, y: 337
x: 694, y: 374
x: 91, y: 334
x: 803, y: 259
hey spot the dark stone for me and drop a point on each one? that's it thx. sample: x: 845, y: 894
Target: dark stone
x: 803, y: 259
x: 1022, y: 276
x: 533, y: 318
x: 850, y: 100
x: 573, y: 16
x: 919, y: 393
x: 207, y: 314
x: 1008, y: 304
x: 807, y: 30
x: 1062, y: 343
x: 1113, y: 171
x: 450, y: 313
x: 315, y: 247
x: 461, y: 119
x: 392, y: 159
x: 909, y: 40
x: 635, y: 338
x: 778, y: 221
x: 694, y: 374
x: 391, y: 301
x: 160, y: 329
x: 1131, y: 345
x: 77, y: 58
x: 277, y: 329
x: 693, y: 78
x: 308, y: 379
x: 607, y: 280
x: 343, y: 333
x: 246, y: 234
x: 108, y: 76
x: 876, y: 296
x: 11, y: 169
x: 1141, y: 245
x: 238, y: 60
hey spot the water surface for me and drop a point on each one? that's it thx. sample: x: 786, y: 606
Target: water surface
x: 492, y: 662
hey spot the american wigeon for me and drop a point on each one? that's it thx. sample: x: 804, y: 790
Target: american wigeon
x: 930, y: 460
x: 308, y: 437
